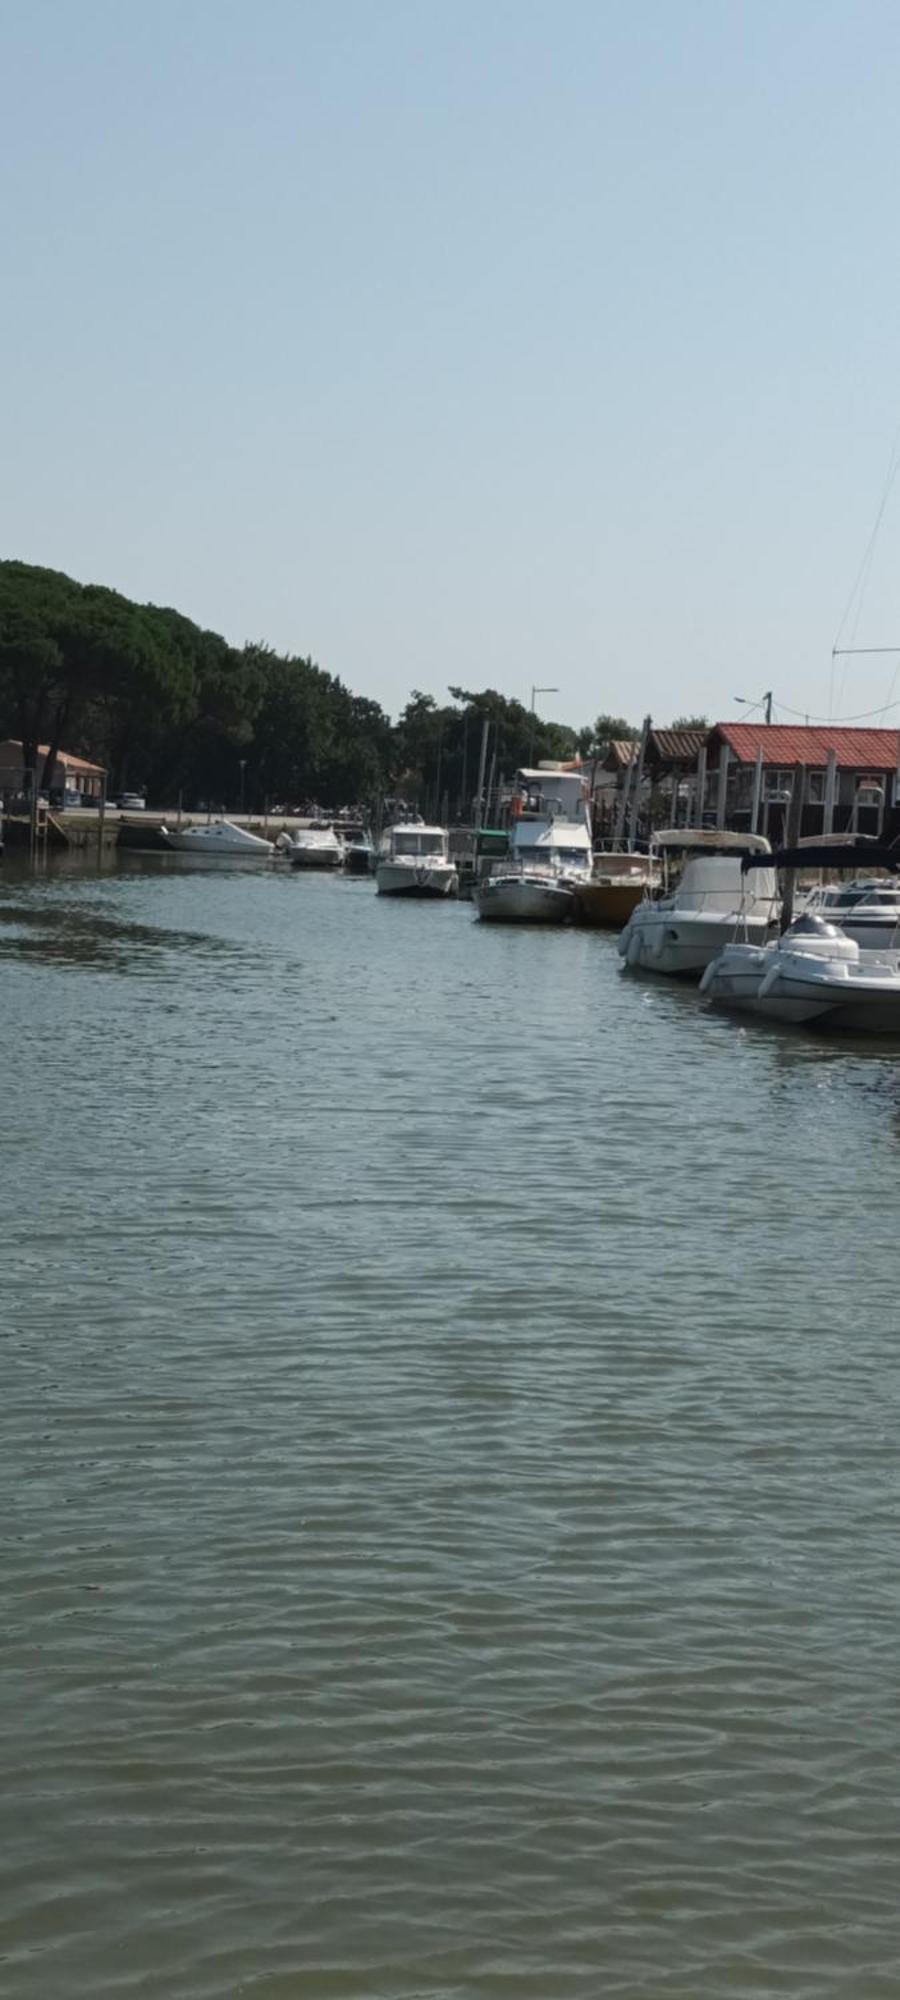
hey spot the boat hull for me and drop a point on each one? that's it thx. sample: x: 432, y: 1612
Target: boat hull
x: 683, y: 945
x: 437, y: 880
x: 856, y: 1006
x: 607, y: 905
x: 205, y: 846
x: 358, y: 860
x: 741, y: 980
x: 817, y: 982
x: 510, y: 900
x: 310, y: 857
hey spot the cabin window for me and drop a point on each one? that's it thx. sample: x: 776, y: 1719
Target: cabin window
x: 418, y: 843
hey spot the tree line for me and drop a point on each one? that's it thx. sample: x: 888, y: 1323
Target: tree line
x: 170, y: 708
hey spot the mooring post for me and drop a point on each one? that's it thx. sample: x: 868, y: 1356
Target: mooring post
x: 792, y: 835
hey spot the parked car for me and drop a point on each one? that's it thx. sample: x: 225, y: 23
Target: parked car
x: 131, y: 802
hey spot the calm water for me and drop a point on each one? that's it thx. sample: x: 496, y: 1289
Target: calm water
x: 449, y: 1463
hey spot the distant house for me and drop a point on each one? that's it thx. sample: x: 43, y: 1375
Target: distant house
x: 849, y: 777
x: 742, y: 775
x: 69, y: 773
x: 669, y: 780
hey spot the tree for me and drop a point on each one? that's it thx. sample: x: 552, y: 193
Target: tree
x: 690, y: 722
x: 38, y: 680
x: 615, y: 729
x: 164, y: 703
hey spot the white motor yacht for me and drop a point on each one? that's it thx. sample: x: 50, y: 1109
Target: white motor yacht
x: 868, y: 911
x: 813, y: 973
x: 682, y: 928
x: 315, y: 847
x: 550, y: 853
x: 220, y: 841
x: 414, y: 860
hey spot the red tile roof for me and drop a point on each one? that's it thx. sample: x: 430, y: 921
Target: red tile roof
x: 64, y: 757
x: 782, y: 744
x: 681, y: 745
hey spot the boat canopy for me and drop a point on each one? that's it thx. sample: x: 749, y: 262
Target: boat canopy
x: 712, y: 839
x: 831, y: 854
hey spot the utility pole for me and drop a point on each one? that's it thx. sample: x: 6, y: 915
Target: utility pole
x: 479, y: 805
x: 767, y: 698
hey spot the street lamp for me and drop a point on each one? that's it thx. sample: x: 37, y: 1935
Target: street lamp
x: 536, y: 691
x: 243, y: 763
x: 744, y: 701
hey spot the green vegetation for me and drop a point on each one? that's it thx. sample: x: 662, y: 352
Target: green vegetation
x: 172, y: 708
x: 614, y: 729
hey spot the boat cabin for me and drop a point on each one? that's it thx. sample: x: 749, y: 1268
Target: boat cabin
x: 548, y: 793
x: 557, y: 843
x: 702, y: 867
x: 416, y: 842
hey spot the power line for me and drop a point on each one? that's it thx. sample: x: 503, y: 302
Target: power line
x: 839, y: 721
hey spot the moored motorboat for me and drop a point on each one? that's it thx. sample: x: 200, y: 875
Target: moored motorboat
x: 619, y: 881
x: 682, y: 929
x: 315, y: 847
x: 220, y: 841
x: 516, y: 894
x: 813, y: 972
x: 550, y: 853
x: 414, y: 860
x: 359, y: 850
x: 868, y: 911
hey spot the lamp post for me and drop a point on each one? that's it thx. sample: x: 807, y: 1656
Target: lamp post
x: 536, y: 691
x: 243, y: 763
x: 744, y: 701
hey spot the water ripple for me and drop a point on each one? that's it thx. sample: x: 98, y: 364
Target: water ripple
x: 449, y: 1464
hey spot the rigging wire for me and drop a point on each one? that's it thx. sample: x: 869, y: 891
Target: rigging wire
x: 860, y: 586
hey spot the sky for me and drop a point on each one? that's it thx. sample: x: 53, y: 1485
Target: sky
x: 498, y: 343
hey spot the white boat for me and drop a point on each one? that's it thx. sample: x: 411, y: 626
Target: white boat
x: 414, y: 860
x: 813, y: 973
x: 315, y: 847
x: 220, y: 841
x: 683, y: 928
x: 359, y: 850
x: 868, y: 911
x: 550, y: 853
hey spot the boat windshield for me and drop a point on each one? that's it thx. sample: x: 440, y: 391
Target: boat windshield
x: 862, y: 894
x: 551, y: 857
x: 418, y: 843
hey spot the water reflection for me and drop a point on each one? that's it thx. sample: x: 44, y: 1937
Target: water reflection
x: 83, y: 936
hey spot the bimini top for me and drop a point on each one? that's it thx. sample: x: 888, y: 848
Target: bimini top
x: 711, y: 839
x: 832, y: 854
